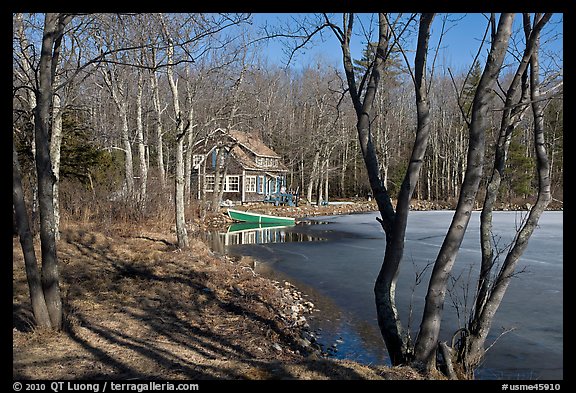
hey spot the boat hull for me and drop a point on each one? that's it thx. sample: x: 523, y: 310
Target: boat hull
x: 243, y: 216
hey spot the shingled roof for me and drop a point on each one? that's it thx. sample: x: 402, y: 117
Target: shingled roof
x: 245, y: 143
x: 253, y: 144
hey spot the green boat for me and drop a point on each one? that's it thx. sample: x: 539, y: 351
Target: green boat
x: 239, y: 215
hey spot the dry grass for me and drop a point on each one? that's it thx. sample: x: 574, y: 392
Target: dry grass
x: 136, y: 307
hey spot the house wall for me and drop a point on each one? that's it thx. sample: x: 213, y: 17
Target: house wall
x: 233, y: 177
x: 252, y: 186
x: 264, y: 184
x: 250, y: 183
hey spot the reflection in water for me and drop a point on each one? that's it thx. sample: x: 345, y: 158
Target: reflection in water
x: 254, y: 233
x: 339, y: 333
x: 339, y: 275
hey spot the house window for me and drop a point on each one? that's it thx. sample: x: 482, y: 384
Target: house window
x: 209, y: 183
x: 232, y: 184
x: 222, y: 153
x: 273, y: 189
x: 266, y: 162
x: 250, y: 184
x: 260, y: 185
x: 197, y: 160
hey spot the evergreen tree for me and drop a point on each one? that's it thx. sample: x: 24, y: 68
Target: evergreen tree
x: 80, y: 158
x: 392, y: 69
x: 470, y: 87
x: 521, y: 167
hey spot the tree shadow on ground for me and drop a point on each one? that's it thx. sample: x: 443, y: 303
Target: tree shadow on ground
x: 158, y: 319
x: 22, y: 318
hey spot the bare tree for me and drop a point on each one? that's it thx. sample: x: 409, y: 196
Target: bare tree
x: 158, y: 110
x: 427, y: 342
x: 225, y: 147
x: 190, y: 95
x: 24, y: 72
x: 181, y: 130
x: 37, y: 67
x: 37, y: 299
x: 491, y: 285
x: 427, y: 347
x: 47, y: 79
x: 54, y: 27
x: 55, y: 144
x: 118, y: 88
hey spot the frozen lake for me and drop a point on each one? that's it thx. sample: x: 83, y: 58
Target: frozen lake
x: 340, y: 272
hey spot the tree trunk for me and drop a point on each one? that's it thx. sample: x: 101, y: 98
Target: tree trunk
x: 318, y: 182
x: 491, y: 292
x: 313, y: 175
x: 31, y: 101
x: 55, y: 143
x: 326, y: 183
x: 385, y: 286
x: 223, y: 157
x: 190, y: 139
x: 128, y: 160
x: 143, y: 168
x: 236, y: 95
x: 511, y: 116
x: 159, y: 133
x: 427, y: 342
x: 53, y: 29
x: 122, y: 106
x: 302, y: 172
x: 39, y: 308
x: 181, y: 232
x: 188, y: 162
x: 344, y: 165
x: 384, y: 289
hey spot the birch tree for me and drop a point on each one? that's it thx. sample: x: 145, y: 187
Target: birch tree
x: 142, y: 165
x: 158, y: 111
x: 115, y: 80
x: 181, y: 130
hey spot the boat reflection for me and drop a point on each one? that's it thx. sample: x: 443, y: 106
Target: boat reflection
x: 253, y: 233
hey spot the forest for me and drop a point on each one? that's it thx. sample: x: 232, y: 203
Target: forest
x: 119, y: 124
x: 107, y: 108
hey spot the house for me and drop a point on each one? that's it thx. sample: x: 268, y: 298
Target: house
x: 253, y: 171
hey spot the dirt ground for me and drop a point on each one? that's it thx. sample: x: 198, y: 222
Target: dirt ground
x: 136, y: 307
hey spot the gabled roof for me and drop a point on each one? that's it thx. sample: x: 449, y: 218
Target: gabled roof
x: 253, y: 144
x: 243, y: 158
x: 245, y: 142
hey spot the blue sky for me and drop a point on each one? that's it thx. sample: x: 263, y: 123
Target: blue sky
x: 459, y: 45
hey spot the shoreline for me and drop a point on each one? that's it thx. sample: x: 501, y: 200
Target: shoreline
x: 136, y: 307
x: 218, y: 220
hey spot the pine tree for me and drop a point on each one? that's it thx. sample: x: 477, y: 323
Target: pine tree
x: 470, y: 87
x: 80, y: 159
